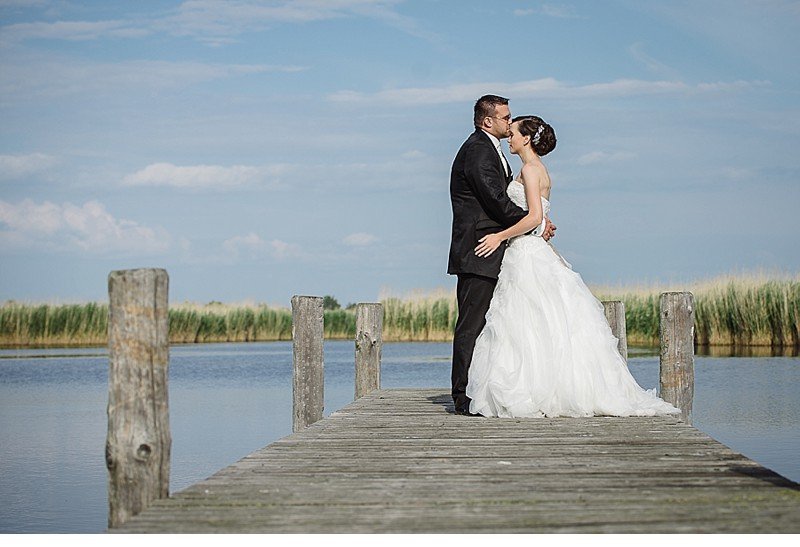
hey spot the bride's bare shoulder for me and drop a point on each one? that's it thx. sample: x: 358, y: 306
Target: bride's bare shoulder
x: 533, y: 172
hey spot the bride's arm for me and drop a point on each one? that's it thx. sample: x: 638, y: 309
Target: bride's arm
x: 530, y: 178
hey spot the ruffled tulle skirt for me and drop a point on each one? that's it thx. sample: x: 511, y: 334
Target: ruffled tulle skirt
x: 547, y: 349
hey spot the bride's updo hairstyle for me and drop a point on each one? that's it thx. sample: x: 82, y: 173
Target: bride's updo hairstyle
x: 543, y: 138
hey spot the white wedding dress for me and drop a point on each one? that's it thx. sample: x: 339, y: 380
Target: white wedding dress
x: 547, y: 349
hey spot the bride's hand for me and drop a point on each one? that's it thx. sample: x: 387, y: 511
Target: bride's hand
x: 549, y: 230
x: 488, y: 245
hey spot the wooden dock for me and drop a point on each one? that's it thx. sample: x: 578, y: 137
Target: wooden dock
x: 400, y: 461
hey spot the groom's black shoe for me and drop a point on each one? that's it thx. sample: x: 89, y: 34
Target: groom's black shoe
x: 461, y: 405
x: 464, y: 411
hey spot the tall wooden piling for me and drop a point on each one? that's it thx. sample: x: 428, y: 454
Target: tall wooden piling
x: 676, y: 328
x: 369, y: 344
x: 308, y: 378
x: 615, y: 315
x: 138, y: 442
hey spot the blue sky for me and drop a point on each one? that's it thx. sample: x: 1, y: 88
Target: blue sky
x: 258, y: 150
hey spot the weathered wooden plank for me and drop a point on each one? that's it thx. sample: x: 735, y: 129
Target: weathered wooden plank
x: 615, y: 315
x: 138, y: 442
x: 400, y: 461
x: 369, y: 345
x: 308, y: 373
x: 509, y: 516
x: 676, y: 332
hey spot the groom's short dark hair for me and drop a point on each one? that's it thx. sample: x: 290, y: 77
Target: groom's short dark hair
x: 485, y: 106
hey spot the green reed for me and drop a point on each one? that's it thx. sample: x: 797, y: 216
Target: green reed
x: 43, y: 324
x: 743, y: 311
x: 226, y: 323
x: 87, y: 324
x: 731, y: 310
x: 419, y: 319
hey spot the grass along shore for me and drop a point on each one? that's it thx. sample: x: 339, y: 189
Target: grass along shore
x: 731, y: 310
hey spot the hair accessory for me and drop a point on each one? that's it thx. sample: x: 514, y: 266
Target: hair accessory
x: 538, y: 134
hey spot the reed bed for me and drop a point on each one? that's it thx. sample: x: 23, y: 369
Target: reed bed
x: 754, y: 310
x: 195, y: 323
x: 732, y: 310
x: 87, y: 324
x: 420, y: 319
x: 191, y: 323
x: 53, y: 325
x: 729, y: 311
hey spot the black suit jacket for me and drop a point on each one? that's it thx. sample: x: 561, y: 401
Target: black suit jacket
x: 481, y: 206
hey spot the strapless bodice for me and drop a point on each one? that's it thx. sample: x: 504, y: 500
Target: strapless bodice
x: 516, y: 191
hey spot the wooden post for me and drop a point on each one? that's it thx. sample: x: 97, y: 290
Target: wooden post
x: 308, y: 376
x: 139, y: 442
x: 615, y: 315
x: 676, y: 328
x: 369, y: 343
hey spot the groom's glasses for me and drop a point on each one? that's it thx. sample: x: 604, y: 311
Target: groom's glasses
x: 504, y: 118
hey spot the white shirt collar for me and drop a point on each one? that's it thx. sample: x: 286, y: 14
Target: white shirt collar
x: 503, y: 159
x: 494, y: 139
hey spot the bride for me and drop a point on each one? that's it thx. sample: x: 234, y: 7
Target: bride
x: 546, y: 349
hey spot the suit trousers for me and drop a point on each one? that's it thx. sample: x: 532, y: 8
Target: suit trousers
x: 474, y: 293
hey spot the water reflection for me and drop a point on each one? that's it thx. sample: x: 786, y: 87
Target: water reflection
x: 747, y: 351
x: 723, y: 351
x: 92, y: 351
x: 44, y: 353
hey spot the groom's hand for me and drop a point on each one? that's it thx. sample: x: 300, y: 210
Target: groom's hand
x: 549, y: 230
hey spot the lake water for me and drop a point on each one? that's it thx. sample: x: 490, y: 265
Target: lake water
x: 227, y: 400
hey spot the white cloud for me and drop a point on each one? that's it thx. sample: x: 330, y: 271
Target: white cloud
x: 216, y: 22
x: 558, y: 11
x: 417, y: 170
x: 213, y: 21
x: 234, y: 17
x: 71, y: 30
x: 252, y: 245
x: 413, y: 169
x: 88, y: 228
x: 731, y: 86
x: 22, y: 3
x: 653, y: 65
x: 359, y: 239
x: 604, y: 157
x: 31, y: 76
x: 213, y: 177
x: 18, y: 166
x: 735, y: 174
x: 762, y: 33
x: 280, y: 249
x: 549, y: 88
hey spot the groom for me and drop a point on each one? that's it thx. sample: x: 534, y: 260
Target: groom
x: 478, y: 182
